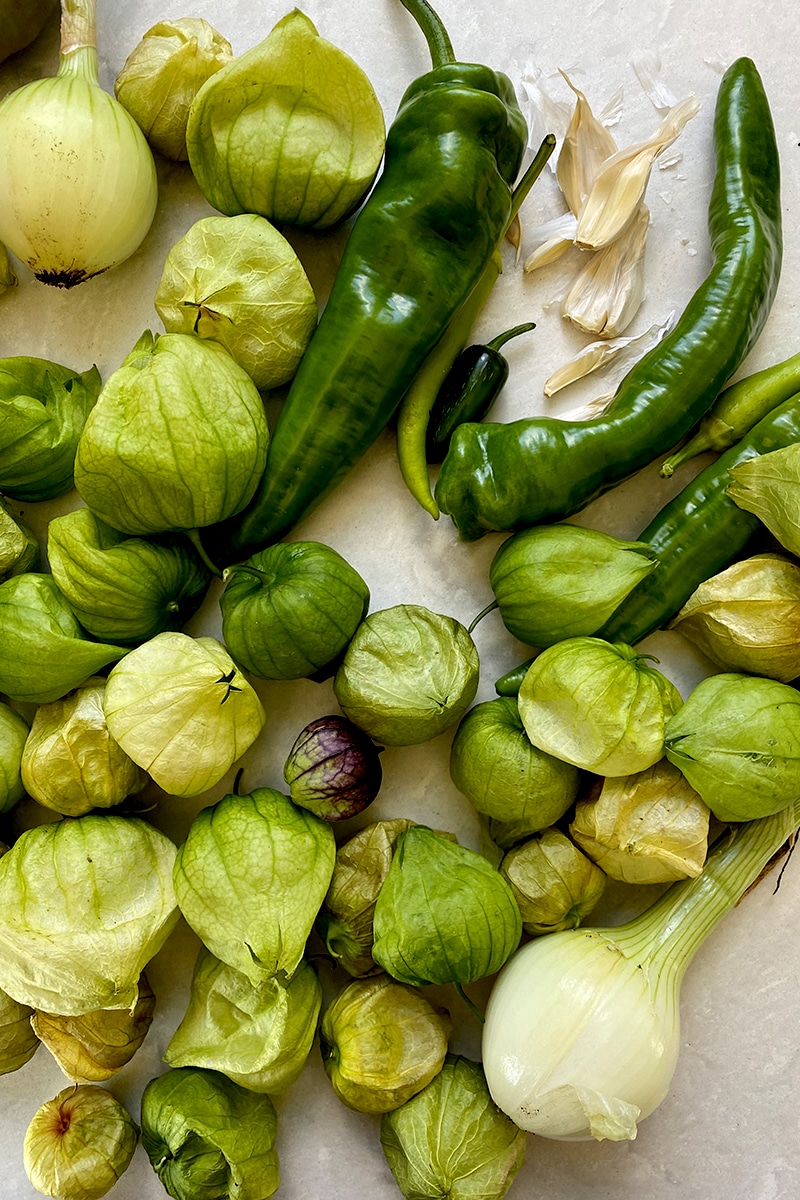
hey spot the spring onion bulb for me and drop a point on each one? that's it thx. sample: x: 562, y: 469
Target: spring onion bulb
x: 582, y: 1028
x: 79, y: 184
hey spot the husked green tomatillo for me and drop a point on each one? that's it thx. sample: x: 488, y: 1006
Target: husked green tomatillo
x: 209, y: 1139
x: 597, y: 705
x: 747, y: 618
x: 70, y: 762
x: 258, y: 1034
x: 345, y: 920
x: 291, y: 130
x: 737, y: 741
x: 382, y: 1042
x: 124, y: 589
x: 92, y: 1047
x: 177, y: 439
x: 162, y: 75
x: 650, y: 827
x: 497, y: 767
x: 452, y: 1140
x: 238, y: 281
x: 407, y: 675
x: 560, y: 581
x: 79, y: 1144
x: 444, y: 914
x: 554, y: 884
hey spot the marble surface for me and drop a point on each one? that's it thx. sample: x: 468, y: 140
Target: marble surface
x: 729, y: 1127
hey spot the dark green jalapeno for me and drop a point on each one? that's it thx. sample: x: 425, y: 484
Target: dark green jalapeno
x: 471, y: 387
x: 507, y: 477
x: 417, y: 249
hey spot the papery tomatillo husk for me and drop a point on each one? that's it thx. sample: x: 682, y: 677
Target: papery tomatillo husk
x: 92, y: 1047
x: 737, y: 741
x: 70, y: 762
x: 239, y: 282
x: 444, y: 914
x: 19, y: 549
x: 209, y: 1139
x: 333, y: 769
x: 452, y: 1140
x: 497, y: 767
x: 559, y: 581
x: 382, y: 1042
x: 291, y: 130
x: 747, y: 618
x: 13, y: 736
x: 407, y: 675
x: 162, y: 75
x: 290, y: 610
x: 768, y: 485
x: 79, y: 1144
x: 18, y: 1042
x: 554, y: 884
x: 651, y: 827
x: 597, y: 705
x: 345, y: 921
x: 259, y: 1035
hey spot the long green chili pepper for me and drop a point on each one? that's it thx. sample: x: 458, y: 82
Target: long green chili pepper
x: 736, y: 410
x: 418, y: 247
x: 513, y: 476
x: 415, y: 410
x: 696, y: 534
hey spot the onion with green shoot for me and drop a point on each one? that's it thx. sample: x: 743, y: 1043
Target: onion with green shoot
x: 79, y: 181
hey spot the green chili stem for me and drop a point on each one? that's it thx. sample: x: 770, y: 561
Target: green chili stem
x: 473, y: 1008
x: 194, y: 537
x: 498, y: 342
x: 530, y: 175
x: 439, y: 44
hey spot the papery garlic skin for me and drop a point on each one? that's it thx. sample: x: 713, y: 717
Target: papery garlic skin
x: 79, y: 181
x: 580, y: 1051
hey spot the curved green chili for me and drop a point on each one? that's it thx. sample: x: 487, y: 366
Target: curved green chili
x: 507, y: 477
x: 699, y: 532
x: 736, y: 410
x: 417, y: 249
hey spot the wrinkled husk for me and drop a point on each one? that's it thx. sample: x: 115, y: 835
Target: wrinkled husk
x: 768, y: 485
x: 93, y: 1047
x: 18, y: 1042
x: 13, y: 736
x: 554, y: 884
x: 651, y: 827
x: 333, y: 769
x: 345, y: 920
x: 162, y: 75
x: 19, y: 550
x: 70, y: 762
x: 259, y: 1035
x: 452, y: 1140
x: 747, y: 618
x: 382, y: 1042
x: 79, y: 1144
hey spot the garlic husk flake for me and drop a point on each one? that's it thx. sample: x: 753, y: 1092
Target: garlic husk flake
x: 582, y: 1029
x: 80, y: 185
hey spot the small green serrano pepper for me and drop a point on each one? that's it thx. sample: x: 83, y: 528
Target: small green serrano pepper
x: 508, y: 477
x: 416, y: 251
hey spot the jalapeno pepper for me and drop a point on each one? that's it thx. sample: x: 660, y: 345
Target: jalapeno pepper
x: 513, y: 476
x: 417, y: 249
x: 471, y: 387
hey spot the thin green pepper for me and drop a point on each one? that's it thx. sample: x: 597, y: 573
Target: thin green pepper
x: 512, y: 476
x: 469, y: 390
x: 417, y: 249
x: 736, y: 410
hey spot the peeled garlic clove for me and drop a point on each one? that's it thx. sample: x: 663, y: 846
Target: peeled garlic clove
x: 606, y: 294
x: 586, y: 146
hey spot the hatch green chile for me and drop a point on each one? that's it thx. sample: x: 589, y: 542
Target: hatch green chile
x: 416, y: 250
x: 512, y: 476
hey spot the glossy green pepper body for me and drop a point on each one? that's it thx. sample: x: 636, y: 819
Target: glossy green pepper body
x: 417, y: 248
x: 506, y: 477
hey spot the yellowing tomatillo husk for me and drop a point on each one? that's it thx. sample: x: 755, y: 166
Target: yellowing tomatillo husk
x: 163, y: 74
x: 382, y: 1042
x: 747, y: 618
x: 79, y: 182
x: 768, y: 485
x: 79, y: 1143
x: 554, y: 884
x: 18, y: 1042
x: 651, y: 827
x: 93, y: 1046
